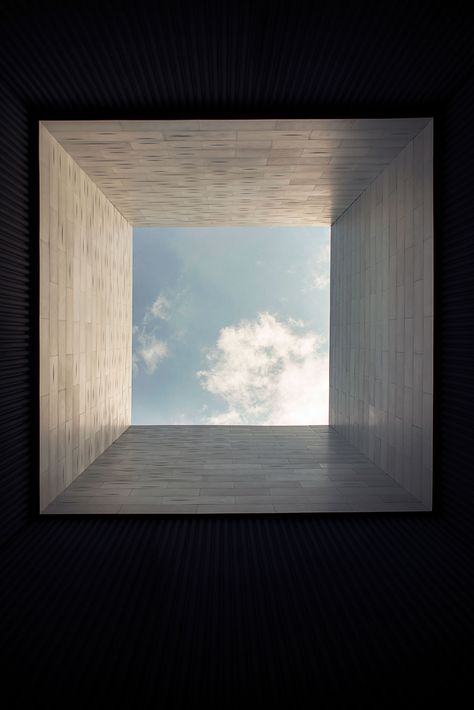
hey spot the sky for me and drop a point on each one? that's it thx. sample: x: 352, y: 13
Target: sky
x: 230, y: 325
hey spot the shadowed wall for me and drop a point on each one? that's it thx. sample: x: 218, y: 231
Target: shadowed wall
x: 381, y: 326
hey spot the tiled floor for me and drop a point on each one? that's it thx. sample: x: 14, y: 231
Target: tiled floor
x: 230, y: 469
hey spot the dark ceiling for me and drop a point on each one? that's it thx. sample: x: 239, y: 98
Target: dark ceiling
x: 239, y: 58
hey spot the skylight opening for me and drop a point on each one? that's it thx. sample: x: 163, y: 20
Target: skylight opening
x: 231, y: 325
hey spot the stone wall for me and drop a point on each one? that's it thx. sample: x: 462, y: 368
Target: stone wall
x: 381, y: 325
x: 85, y: 320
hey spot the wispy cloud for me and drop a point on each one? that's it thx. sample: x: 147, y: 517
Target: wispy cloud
x: 163, y: 323
x: 268, y: 372
x: 150, y: 350
x: 319, y: 275
x: 159, y: 309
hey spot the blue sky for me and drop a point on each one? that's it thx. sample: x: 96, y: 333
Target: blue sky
x: 230, y: 325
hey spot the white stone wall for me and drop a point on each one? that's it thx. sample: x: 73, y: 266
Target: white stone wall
x: 234, y: 172
x: 381, y: 325
x: 85, y: 320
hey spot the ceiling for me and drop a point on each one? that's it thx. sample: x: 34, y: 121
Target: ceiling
x: 234, y: 172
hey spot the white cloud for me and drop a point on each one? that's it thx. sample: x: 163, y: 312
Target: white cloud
x: 268, y: 374
x: 160, y: 308
x: 150, y: 350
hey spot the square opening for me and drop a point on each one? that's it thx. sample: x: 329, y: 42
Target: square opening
x: 370, y: 182
x: 231, y: 326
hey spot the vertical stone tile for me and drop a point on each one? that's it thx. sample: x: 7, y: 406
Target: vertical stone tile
x: 400, y: 267
x: 69, y: 322
x: 418, y: 159
x: 400, y: 344
x: 428, y: 355
x: 409, y: 281
x: 53, y: 246
x: 53, y: 319
x: 418, y: 224
x: 409, y: 214
x: 428, y: 277
x: 44, y: 356
x: 418, y: 317
x: 69, y: 387
x: 407, y: 420
x: 44, y: 279
x: 53, y: 175
x: 61, y: 292
x: 53, y: 462
x: 53, y: 391
x: 418, y: 260
x: 44, y: 199
x: 418, y: 390
x: 68, y: 456
x: 44, y: 433
x: 400, y: 370
x: 61, y: 424
x: 418, y: 371
x: 408, y: 353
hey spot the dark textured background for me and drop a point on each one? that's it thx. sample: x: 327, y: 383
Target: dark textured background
x: 243, y: 610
